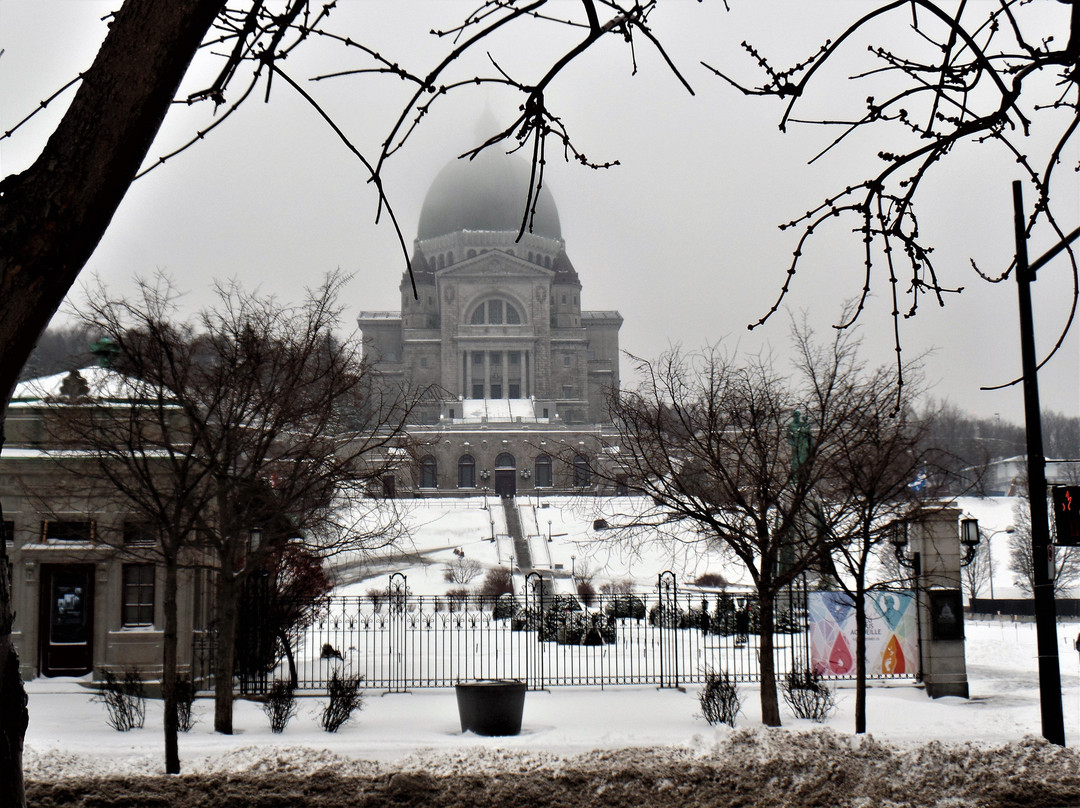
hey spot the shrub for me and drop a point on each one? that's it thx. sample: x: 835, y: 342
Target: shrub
x: 185, y: 697
x: 376, y: 596
x: 623, y: 587
x: 626, y: 606
x: 461, y: 570
x: 345, y: 697
x: 124, y: 699
x: 497, y: 581
x: 526, y: 620
x: 807, y: 694
x: 280, y: 705
x: 506, y: 606
x: 665, y: 616
x: 456, y: 598
x: 711, y: 579
x: 719, y: 699
x: 587, y: 592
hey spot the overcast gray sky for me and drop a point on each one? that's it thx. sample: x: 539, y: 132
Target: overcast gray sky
x: 681, y: 238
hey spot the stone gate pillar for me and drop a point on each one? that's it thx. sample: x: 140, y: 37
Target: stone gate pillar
x: 935, y: 541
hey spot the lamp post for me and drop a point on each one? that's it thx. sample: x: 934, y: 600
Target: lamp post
x: 1053, y: 718
x: 990, y: 554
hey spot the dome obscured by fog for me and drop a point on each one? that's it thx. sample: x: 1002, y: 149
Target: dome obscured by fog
x: 489, y: 192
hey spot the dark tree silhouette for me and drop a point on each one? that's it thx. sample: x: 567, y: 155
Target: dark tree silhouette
x: 53, y: 214
x: 950, y: 76
x: 249, y: 415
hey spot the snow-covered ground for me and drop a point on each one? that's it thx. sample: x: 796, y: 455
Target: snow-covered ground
x: 438, y: 527
x: 68, y: 735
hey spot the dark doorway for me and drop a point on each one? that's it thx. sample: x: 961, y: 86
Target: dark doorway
x: 505, y: 471
x: 66, y: 619
x: 505, y: 484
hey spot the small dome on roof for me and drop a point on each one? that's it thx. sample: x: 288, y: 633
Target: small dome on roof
x: 488, y: 192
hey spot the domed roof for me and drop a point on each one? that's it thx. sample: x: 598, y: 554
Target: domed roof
x: 488, y: 192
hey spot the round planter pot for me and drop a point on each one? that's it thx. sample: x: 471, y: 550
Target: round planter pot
x: 491, y: 706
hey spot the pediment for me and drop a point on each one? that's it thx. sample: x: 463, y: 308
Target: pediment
x: 493, y: 264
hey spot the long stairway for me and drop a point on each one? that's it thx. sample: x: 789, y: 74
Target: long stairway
x: 521, y: 543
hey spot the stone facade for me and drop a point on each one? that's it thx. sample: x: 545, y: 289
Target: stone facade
x: 496, y: 327
x: 87, y: 582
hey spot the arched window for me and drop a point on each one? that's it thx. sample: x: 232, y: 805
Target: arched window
x: 450, y: 258
x: 582, y: 473
x: 505, y: 460
x: 442, y: 261
x: 429, y: 472
x: 543, y: 471
x: 495, y: 312
x: 466, y: 472
x: 472, y: 253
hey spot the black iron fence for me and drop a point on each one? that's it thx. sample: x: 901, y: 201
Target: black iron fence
x: 398, y: 641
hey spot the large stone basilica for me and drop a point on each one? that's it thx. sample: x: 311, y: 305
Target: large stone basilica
x: 497, y: 327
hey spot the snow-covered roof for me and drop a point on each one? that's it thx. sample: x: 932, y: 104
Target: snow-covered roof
x: 93, y: 383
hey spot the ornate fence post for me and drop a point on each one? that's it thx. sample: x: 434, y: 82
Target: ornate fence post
x: 397, y: 594
x: 667, y: 626
x: 533, y: 618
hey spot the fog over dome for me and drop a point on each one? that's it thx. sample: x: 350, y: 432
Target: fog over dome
x: 488, y: 192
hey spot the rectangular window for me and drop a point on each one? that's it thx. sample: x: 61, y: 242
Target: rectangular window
x: 567, y: 391
x: 139, y: 534
x: 423, y: 361
x: 138, y: 605
x: 63, y: 530
x: 478, y: 390
x: 566, y: 361
x: 513, y: 390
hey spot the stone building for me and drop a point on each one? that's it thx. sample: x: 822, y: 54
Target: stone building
x: 496, y: 327
x: 87, y: 577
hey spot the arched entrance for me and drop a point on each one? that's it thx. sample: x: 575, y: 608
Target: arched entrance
x: 505, y: 471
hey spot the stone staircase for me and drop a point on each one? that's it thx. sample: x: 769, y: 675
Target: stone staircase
x: 521, y: 542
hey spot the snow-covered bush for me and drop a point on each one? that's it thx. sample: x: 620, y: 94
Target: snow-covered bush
x: 345, y: 697
x: 280, y: 705
x: 719, y: 699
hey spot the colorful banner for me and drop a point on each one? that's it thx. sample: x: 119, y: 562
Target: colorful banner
x: 891, y: 641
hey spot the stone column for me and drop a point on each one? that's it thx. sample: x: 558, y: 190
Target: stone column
x: 935, y: 543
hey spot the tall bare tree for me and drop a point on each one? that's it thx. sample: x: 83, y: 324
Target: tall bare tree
x: 53, y: 214
x: 1065, y: 572
x: 721, y: 446
x: 880, y: 470
x: 251, y: 415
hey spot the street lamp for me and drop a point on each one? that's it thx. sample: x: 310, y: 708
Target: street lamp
x: 969, y: 537
x: 254, y: 540
x: 898, y: 538
x: 990, y: 554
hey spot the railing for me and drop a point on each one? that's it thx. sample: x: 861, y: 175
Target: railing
x: 397, y: 641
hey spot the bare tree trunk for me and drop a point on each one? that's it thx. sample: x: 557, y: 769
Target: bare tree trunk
x: 770, y: 704
x: 294, y: 676
x: 14, y: 716
x: 168, y: 672
x: 860, y: 658
x: 53, y: 214
x: 225, y: 653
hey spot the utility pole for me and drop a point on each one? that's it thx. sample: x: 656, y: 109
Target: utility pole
x: 1053, y: 721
